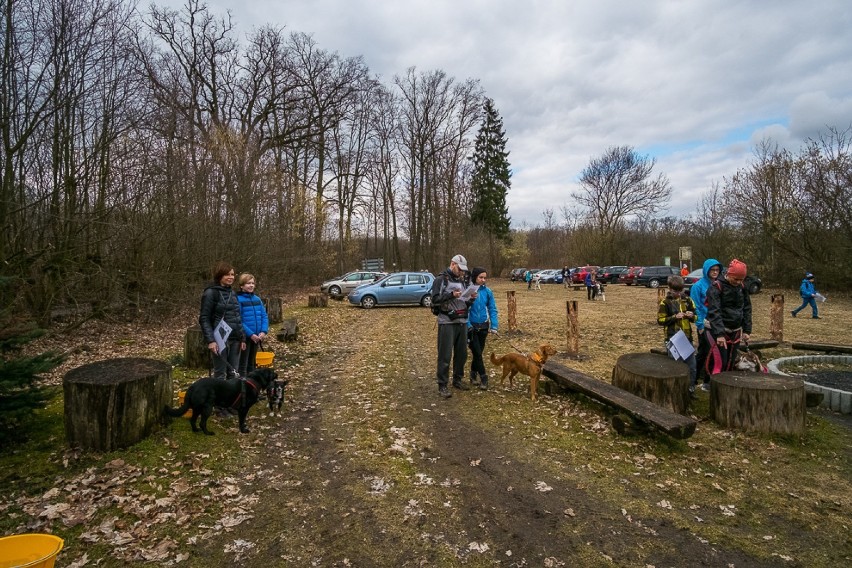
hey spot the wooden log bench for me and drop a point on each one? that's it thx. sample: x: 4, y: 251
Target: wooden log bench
x: 660, y: 380
x: 827, y: 347
x: 115, y: 403
x: 758, y: 402
x: 638, y: 409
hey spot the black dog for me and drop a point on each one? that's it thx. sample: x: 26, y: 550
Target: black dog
x: 275, y: 394
x: 239, y: 394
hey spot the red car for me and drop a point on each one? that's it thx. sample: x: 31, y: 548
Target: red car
x: 579, y: 275
x: 629, y: 277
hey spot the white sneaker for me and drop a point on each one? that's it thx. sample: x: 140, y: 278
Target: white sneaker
x: 705, y: 387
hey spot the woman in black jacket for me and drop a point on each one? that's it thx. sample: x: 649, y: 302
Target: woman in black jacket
x: 219, y: 302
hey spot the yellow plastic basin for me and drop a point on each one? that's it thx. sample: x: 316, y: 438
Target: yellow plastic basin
x: 29, y: 550
x: 264, y: 358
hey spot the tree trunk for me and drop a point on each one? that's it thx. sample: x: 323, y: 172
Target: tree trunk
x: 196, y: 355
x: 572, y: 331
x: 758, y: 402
x: 512, y: 309
x: 115, y: 403
x: 289, y: 330
x: 658, y: 379
x: 776, y: 317
x: 317, y: 301
x: 274, y: 309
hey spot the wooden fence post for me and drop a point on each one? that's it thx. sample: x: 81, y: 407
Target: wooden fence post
x: 512, y: 309
x: 572, y: 330
x: 776, y: 317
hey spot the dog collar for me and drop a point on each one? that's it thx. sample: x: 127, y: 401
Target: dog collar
x: 536, y: 358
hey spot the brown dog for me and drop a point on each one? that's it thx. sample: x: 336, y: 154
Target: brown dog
x: 514, y: 363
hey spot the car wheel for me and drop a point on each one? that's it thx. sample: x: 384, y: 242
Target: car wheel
x: 654, y: 283
x: 368, y: 302
x: 334, y: 291
x: 754, y: 288
x: 426, y: 300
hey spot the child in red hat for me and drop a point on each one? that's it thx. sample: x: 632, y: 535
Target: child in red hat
x: 729, y: 315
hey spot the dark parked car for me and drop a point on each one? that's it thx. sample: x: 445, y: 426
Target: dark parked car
x: 517, y: 274
x: 752, y: 282
x: 610, y: 274
x: 654, y: 276
x: 551, y: 276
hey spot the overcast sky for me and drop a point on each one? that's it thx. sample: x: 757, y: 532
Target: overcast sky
x: 693, y: 83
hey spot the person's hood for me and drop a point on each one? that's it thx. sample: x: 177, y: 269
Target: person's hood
x: 710, y: 263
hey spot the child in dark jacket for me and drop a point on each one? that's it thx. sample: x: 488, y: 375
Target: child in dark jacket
x: 729, y: 317
x: 677, y: 313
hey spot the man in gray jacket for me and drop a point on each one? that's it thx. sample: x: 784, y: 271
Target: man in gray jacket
x: 451, y: 311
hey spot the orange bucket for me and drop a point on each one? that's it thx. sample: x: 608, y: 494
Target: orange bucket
x: 264, y: 358
x: 29, y: 550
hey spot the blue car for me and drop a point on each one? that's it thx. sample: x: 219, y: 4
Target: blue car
x: 398, y: 288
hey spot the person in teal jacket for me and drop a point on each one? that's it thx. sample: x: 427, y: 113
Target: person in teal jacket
x: 711, y: 270
x: 481, y: 320
x: 808, y: 293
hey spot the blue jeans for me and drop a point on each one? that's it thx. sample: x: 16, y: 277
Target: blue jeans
x: 805, y: 302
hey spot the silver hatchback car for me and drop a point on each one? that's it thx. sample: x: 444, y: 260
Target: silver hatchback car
x: 342, y: 285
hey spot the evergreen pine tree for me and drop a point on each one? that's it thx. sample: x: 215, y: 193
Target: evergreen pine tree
x: 20, y: 390
x: 491, y: 179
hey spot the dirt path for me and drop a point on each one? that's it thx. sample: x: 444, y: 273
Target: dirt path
x: 370, y: 468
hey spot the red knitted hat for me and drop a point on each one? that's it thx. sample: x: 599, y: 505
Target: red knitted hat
x: 737, y: 268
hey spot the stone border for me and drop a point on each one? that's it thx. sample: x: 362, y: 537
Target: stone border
x: 834, y: 399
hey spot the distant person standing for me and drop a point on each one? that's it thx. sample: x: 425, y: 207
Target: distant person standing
x: 591, y: 285
x: 452, y: 313
x: 711, y: 270
x: 684, y: 271
x: 808, y: 293
x: 729, y: 315
x: 481, y: 321
x: 566, y: 276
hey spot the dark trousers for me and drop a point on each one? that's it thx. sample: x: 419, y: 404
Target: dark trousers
x: 477, y: 339
x: 247, y: 358
x: 591, y: 292
x: 704, y: 342
x: 720, y: 360
x: 452, y: 344
x: 230, y: 356
x: 808, y: 302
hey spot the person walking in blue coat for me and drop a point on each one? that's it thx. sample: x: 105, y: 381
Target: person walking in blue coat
x: 698, y: 293
x: 481, y: 320
x: 255, y: 322
x: 808, y: 293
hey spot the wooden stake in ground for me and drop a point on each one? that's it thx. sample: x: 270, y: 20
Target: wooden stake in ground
x: 512, y: 309
x: 572, y: 330
x: 776, y: 317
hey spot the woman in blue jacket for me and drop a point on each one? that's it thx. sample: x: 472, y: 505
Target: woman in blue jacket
x: 255, y: 322
x: 808, y: 293
x: 481, y: 320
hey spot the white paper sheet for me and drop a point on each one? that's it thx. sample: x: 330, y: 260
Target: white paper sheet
x: 469, y: 291
x: 680, y: 346
x: 221, y: 333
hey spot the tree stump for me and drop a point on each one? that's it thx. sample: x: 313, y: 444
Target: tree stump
x: 758, y: 402
x: 196, y: 355
x: 512, y: 310
x: 572, y: 330
x: 274, y: 309
x: 115, y: 403
x: 660, y: 380
x: 289, y: 330
x: 776, y: 317
x: 317, y: 300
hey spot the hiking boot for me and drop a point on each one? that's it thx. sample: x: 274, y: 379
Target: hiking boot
x: 460, y: 385
x: 474, y: 381
x: 793, y: 314
x: 483, y: 386
x: 444, y: 392
x: 816, y: 317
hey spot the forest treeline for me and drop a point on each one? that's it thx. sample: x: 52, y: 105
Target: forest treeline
x: 142, y: 144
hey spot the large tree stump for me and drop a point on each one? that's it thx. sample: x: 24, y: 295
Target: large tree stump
x: 758, y: 402
x: 274, y: 309
x: 289, y: 330
x: 196, y: 355
x: 317, y: 300
x: 115, y: 403
x: 776, y: 317
x: 512, y: 310
x: 660, y: 380
x: 572, y: 329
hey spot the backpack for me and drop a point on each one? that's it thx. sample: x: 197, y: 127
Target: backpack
x: 436, y: 308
